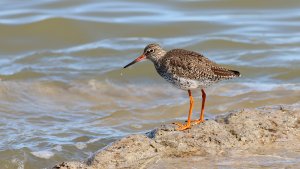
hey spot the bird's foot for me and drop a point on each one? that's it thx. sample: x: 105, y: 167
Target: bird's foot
x: 182, y: 126
x: 194, y: 122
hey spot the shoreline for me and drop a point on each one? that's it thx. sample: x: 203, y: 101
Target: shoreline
x: 235, y: 139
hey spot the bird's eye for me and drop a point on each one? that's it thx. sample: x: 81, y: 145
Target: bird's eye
x: 151, y: 50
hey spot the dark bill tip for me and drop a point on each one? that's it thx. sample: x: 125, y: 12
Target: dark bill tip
x: 129, y: 64
x: 140, y: 58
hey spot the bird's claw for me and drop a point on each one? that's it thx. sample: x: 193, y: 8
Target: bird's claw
x: 182, y: 126
x: 194, y: 122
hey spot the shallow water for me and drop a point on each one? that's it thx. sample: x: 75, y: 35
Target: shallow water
x: 64, y: 93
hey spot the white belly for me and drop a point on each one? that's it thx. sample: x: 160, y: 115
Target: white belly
x: 188, y: 84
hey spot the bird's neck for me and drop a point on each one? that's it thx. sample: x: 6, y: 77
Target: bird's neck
x: 156, y: 60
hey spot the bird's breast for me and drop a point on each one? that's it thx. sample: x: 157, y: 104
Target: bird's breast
x: 181, y: 82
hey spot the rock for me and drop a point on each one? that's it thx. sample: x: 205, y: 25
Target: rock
x: 242, y: 134
x: 71, y: 165
x: 129, y: 152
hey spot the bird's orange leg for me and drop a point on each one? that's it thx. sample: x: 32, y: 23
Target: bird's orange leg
x: 202, y: 109
x: 188, y: 124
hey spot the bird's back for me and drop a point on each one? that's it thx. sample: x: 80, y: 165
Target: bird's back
x: 185, y: 66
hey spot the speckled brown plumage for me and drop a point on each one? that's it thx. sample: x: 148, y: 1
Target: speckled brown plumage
x: 182, y: 68
x: 186, y: 70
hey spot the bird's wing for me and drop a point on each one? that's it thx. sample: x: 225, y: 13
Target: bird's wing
x: 192, y: 65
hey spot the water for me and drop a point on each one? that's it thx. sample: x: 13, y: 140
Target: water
x: 64, y: 94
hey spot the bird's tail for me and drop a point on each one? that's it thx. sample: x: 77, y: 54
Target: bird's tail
x: 236, y: 73
x: 225, y: 73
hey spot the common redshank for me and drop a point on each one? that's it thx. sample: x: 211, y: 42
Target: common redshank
x: 187, y: 70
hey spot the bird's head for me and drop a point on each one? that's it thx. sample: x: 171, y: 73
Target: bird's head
x: 152, y: 52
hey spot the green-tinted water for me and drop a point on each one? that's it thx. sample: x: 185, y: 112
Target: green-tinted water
x: 63, y: 93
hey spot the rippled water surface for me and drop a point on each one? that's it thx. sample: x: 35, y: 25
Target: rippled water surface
x: 63, y: 93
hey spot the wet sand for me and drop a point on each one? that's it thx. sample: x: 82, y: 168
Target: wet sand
x: 265, y: 137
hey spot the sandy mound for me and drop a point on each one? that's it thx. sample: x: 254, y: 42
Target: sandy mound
x: 264, y: 136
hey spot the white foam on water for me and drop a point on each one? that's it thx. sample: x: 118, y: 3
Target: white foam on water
x: 136, y: 126
x: 80, y: 145
x: 18, y: 162
x: 246, y: 87
x: 43, y: 154
x: 93, y: 140
x: 58, y: 148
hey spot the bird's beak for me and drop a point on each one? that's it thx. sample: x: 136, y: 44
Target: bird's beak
x: 140, y: 58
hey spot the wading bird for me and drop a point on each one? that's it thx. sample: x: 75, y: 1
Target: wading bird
x: 186, y: 70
